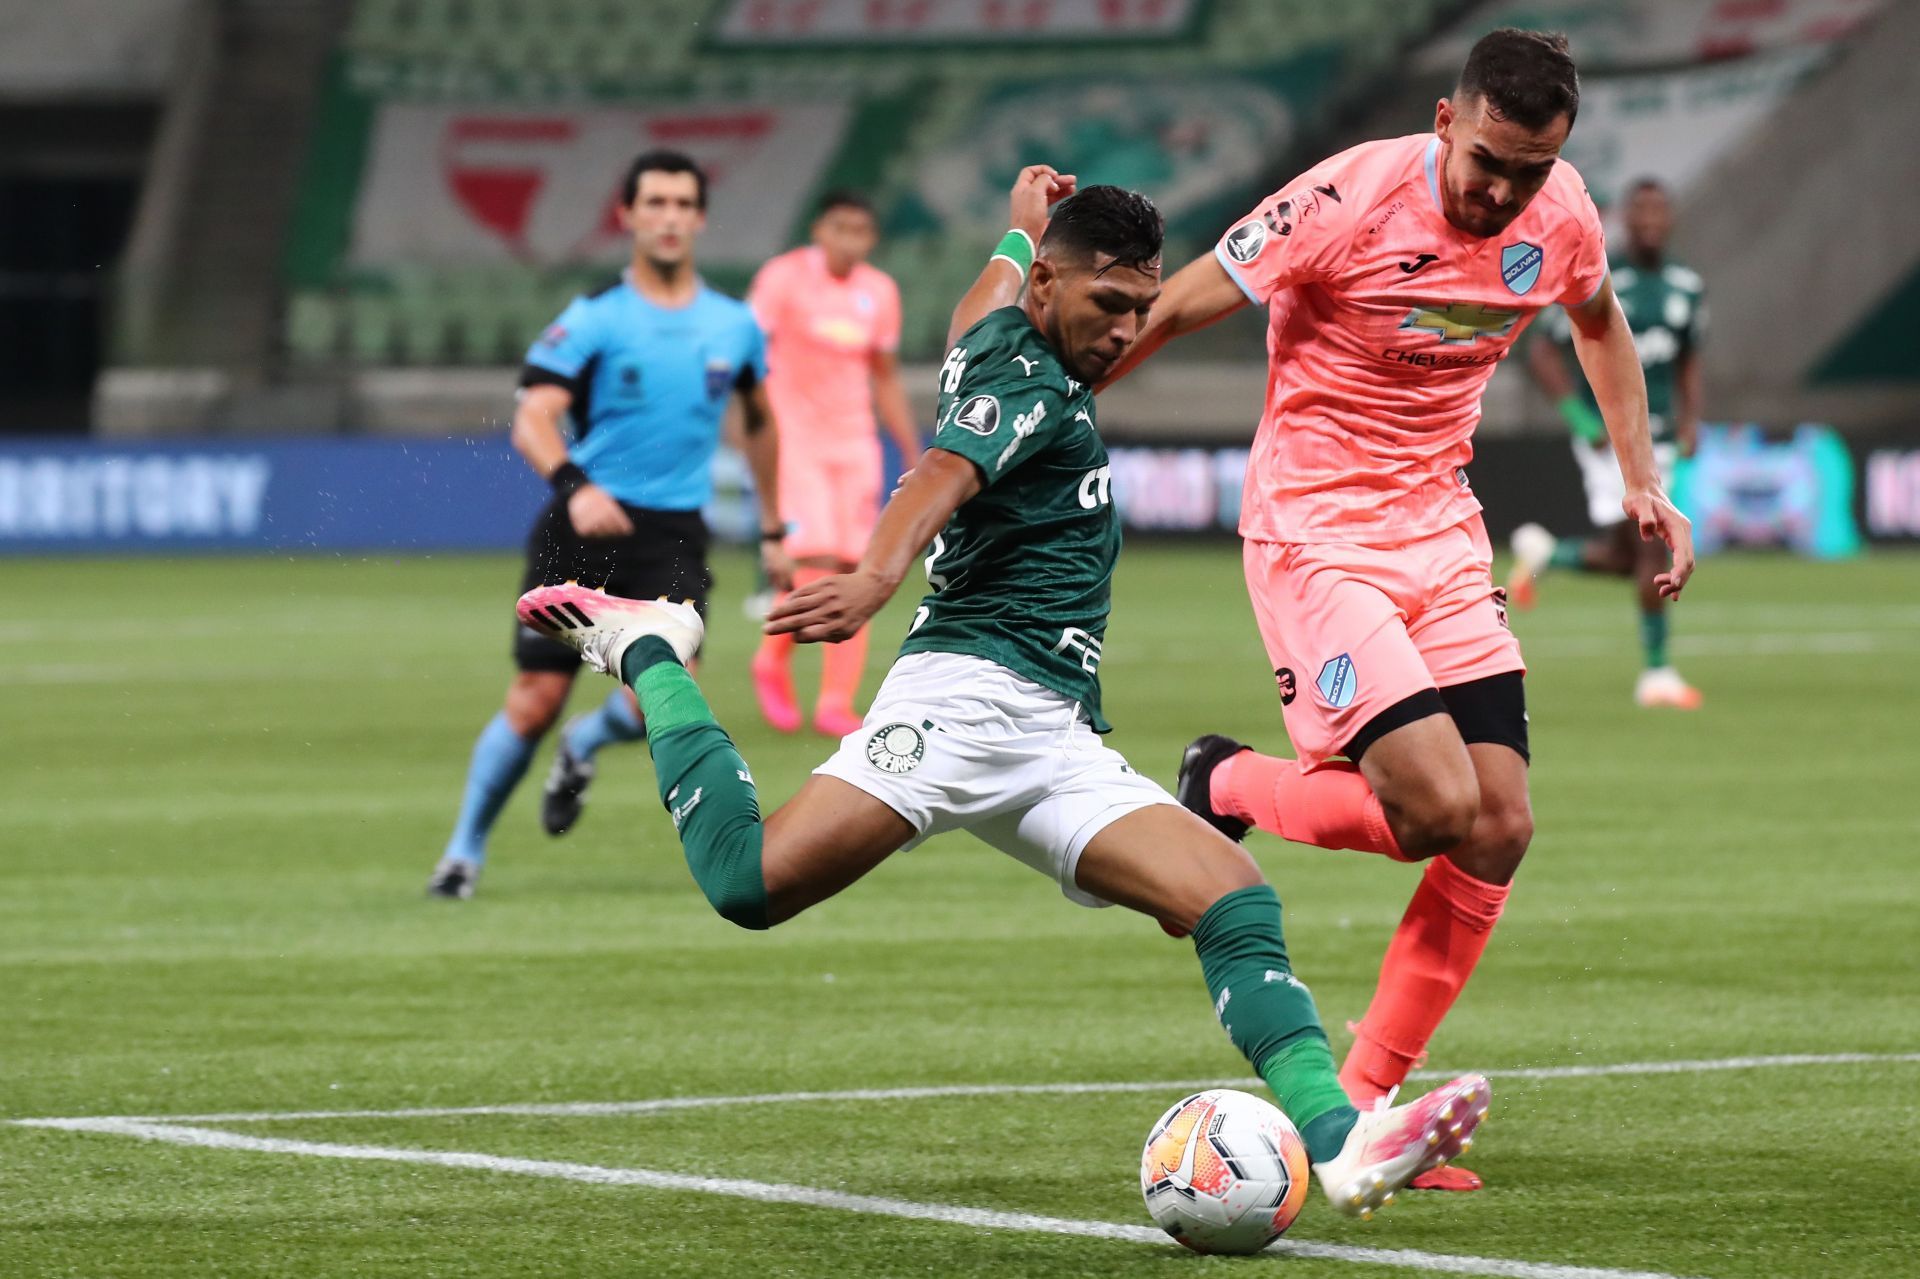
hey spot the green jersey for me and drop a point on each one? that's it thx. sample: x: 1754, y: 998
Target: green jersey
x: 1022, y: 574
x: 1666, y: 309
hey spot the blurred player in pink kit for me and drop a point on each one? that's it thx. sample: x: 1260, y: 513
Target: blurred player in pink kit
x: 833, y: 332
x: 1396, y: 276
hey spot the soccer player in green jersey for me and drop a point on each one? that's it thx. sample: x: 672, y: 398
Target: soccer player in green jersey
x: 1665, y: 304
x: 990, y: 719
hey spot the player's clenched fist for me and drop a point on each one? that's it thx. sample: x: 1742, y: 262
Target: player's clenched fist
x: 595, y: 514
x: 1038, y: 188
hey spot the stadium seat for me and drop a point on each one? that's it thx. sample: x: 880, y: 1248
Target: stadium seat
x: 371, y: 336
x: 313, y: 328
x: 514, y: 51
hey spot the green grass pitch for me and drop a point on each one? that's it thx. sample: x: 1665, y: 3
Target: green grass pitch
x: 223, y: 783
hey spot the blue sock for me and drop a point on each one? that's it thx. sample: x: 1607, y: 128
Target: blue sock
x: 500, y: 759
x: 615, y: 721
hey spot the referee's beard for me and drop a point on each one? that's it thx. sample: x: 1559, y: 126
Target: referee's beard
x: 669, y: 271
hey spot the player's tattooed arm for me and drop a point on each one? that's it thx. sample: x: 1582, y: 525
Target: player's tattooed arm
x: 536, y: 436
x: 833, y: 608
x: 1604, y: 343
x: 763, y: 459
x: 1198, y: 295
x: 1038, y: 188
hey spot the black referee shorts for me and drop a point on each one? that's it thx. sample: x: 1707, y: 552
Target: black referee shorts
x: 665, y: 555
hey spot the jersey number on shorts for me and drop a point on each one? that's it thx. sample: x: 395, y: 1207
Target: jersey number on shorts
x: 950, y: 371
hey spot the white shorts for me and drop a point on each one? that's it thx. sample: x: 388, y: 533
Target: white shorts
x: 960, y: 743
x: 1606, y: 487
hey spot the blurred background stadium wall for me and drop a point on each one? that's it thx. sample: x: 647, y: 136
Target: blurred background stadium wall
x: 316, y: 217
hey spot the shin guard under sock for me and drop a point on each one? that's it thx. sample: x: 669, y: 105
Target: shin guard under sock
x: 1433, y: 952
x: 703, y: 782
x: 1269, y: 1013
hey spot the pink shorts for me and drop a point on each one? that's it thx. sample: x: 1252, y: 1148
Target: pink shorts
x: 1353, y: 630
x: 830, y: 504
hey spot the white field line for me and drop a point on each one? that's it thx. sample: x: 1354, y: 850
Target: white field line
x: 809, y: 1196
x: 593, y: 1108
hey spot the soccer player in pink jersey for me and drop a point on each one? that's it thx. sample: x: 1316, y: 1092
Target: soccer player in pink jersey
x: 833, y: 334
x: 1396, y: 276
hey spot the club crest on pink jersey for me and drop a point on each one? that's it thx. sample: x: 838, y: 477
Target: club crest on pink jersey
x: 1520, y: 265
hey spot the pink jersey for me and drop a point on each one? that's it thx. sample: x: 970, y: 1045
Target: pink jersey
x: 1385, y: 324
x: 822, y: 334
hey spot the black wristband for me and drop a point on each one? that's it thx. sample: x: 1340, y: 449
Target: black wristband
x: 773, y: 535
x: 568, y: 479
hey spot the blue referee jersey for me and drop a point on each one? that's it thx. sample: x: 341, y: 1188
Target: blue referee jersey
x: 650, y: 386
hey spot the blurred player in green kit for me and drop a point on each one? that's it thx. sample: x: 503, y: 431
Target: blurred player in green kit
x: 1666, y: 308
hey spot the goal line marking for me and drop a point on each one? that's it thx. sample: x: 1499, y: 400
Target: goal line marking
x: 182, y: 1130
x: 810, y: 1196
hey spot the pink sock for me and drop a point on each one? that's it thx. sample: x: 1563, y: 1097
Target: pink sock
x: 1434, y: 951
x: 841, y: 666
x: 1331, y: 806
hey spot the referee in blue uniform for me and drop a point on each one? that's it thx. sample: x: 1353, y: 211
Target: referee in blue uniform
x: 620, y: 410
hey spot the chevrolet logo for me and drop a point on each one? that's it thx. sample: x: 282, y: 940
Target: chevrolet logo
x: 1461, y: 321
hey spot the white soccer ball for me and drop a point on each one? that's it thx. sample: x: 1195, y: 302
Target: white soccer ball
x: 1224, y: 1171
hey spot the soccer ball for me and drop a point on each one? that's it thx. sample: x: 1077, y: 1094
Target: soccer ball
x: 1224, y: 1171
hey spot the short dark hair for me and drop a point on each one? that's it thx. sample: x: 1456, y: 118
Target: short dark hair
x: 663, y: 161
x: 844, y: 198
x: 1638, y: 185
x: 1527, y: 77
x: 1111, y: 220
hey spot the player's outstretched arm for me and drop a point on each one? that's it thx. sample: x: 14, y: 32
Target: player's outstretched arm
x: 1604, y: 343
x: 833, y: 608
x: 1200, y: 294
x: 1036, y: 190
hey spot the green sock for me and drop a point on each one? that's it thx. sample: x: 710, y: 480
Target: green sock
x: 668, y: 696
x: 1270, y: 1016
x: 703, y: 782
x: 1653, y: 637
x: 1569, y: 552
